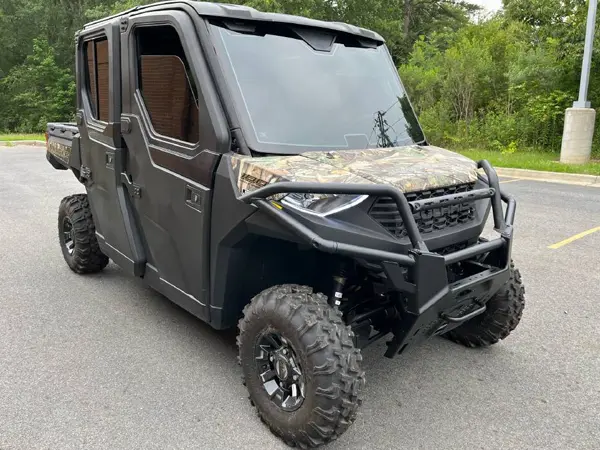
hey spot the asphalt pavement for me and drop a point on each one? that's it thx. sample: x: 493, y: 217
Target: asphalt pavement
x: 104, y: 362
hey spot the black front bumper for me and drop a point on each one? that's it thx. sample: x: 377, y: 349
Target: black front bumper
x: 433, y: 304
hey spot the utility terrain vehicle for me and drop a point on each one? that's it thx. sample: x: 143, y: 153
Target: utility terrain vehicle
x: 269, y: 169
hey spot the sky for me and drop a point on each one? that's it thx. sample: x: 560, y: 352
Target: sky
x: 490, y: 5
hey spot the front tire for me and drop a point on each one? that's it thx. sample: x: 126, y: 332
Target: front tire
x: 289, y: 337
x: 77, y: 236
x: 503, y: 314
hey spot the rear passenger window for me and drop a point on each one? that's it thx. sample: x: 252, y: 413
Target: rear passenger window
x: 96, y: 77
x: 166, y: 84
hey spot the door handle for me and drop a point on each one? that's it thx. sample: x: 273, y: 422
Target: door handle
x: 109, y: 159
x: 194, y: 198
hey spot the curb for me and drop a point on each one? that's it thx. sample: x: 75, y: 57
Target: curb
x: 551, y: 177
x: 28, y: 143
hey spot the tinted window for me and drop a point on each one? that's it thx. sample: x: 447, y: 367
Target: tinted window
x: 96, y: 74
x: 166, y: 84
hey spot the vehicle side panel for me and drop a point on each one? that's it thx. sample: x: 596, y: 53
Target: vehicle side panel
x: 250, y: 252
x: 174, y: 178
x: 99, y: 142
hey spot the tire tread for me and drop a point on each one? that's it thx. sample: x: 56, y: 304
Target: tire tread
x: 87, y: 256
x: 339, y: 378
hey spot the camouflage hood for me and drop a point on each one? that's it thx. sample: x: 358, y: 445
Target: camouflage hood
x: 410, y: 169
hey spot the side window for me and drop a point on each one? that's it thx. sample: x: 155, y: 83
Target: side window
x: 96, y: 77
x: 166, y: 84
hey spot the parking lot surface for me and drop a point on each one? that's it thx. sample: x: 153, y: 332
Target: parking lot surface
x: 103, y: 362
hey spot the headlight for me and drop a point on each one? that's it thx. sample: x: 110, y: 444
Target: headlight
x: 322, y: 204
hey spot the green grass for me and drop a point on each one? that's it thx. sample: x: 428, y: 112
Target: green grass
x: 532, y: 160
x: 22, y: 137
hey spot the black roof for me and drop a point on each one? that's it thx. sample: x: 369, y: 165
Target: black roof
x: 228, y: 11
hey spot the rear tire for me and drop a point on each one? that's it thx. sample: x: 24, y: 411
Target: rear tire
x: 503, y: 314
x: 77, y: 235
x: 322, y: 356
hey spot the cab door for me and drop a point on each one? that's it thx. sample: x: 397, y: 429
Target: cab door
x: 98, y: 120
x: 174, y: 133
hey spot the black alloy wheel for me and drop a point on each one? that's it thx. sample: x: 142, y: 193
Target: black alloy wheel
x: 280, y: 371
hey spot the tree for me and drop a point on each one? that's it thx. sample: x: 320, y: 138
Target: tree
x: 493, y: 82
x: 36, y: 92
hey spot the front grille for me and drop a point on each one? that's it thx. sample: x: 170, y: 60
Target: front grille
x: 385, y: 212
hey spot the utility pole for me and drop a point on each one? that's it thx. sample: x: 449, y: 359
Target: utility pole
x: 383, y: 139
x: 578, y: 132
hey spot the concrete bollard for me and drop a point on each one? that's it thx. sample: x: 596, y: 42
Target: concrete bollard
x: 577, y: 135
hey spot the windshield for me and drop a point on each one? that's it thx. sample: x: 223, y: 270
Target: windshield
x: 294, y: 99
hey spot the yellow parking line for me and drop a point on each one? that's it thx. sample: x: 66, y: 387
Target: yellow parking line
x: 512, y: 181
x: 573, y: 238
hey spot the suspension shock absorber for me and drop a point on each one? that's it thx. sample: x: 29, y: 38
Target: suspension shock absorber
x: 339, y: 281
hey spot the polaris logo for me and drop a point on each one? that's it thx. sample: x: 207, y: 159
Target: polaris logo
x: 253, y: 181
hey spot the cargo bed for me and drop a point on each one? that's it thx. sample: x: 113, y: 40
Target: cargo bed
x: 59, y: 144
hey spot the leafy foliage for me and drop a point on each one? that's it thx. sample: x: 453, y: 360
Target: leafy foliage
x: 36, y: 92
x: 503, y: 83
x: 500, y: 83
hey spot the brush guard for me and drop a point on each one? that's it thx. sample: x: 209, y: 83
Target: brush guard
x: 432, y: 305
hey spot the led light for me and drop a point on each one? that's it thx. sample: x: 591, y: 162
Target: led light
x: 322, y: 204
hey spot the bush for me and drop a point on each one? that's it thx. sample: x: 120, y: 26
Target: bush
x: 36, y: 92
x: 490, y: 87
